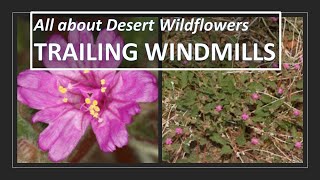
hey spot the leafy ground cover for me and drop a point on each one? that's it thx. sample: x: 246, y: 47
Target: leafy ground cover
x: 237, y: 116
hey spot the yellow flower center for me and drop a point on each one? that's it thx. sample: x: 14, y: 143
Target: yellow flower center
x: 65, y: 100
x: 103, y: 89
x: 102, y: 81
x: 87, y: 100
x: 62, y: 89
x: 94, y: 109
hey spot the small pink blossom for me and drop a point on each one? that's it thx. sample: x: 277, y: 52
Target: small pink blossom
x: 255, y: 96
x: 296, y: 112
x: 245, y: 116
x: 280, y: 91
x: 297, y: 66
x: 179, y: 131
x: 274, y: 19
x: 168, y: 141
x: 298, y: 145
x: 286, y: 65
x: 218, y: 108
x: 185, y: 62
x: 254, y: 141
x: 275, y: 65
x: 301, y: 59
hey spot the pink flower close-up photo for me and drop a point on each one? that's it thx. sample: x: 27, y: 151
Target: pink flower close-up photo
x: 70, y: 101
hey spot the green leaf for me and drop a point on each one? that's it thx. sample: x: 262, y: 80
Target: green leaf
x: 194, y: 111
x: 296, y: 98
x: 272, y: 84
x: 232, y: 39
x: 213, y: 37
x: 300, y: 84
x: 241, y: 140
x: 25, y: 129
x: 274, y: 106
x: 186, y: 148
x: 190, y: 76
x: 203, y: 141
x: 209, y: 107
x: 258, y: 119
x: 193, y: 158
x: 184, y: 79
x: 188, y: 99
x: 165, y: 155
x: 218, y: 139
x: 294, y: 132
x: 266, y: 99
x: 261, y: 113
x: 254, y: 86
x: 226, y: 150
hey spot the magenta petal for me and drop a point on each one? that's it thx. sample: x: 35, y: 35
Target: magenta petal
x: 63, y: 134
x: 71, y: 75
x: 55, y: 63
x: 41, y: 81
x: 111, y: 133
x: 49, y: 115
x: 108, y: 37
x: 124, y: 110
x: 138, y: 86
x: 36, y: 99
x: 106, y: 75
x: 76, y: 37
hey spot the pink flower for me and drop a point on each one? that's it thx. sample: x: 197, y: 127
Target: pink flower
x: 274, y: 19
x: 68, y: 101
x: 255, y: 96
x: 298, y: 145
x: 296, y: 112
x: 301, y: 59
x: 280, y: 91
x: 254, y: 141
x: 286, y: 65
x: 297, y: 66
x: 218, y: 108
x: 185, y: 62
x: 85, y: 37
x: 168, y: 141
x: 245, y: 116
x: 179, y: 131
x: 275, y: 65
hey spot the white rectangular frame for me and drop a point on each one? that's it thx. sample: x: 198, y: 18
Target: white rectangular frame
x: 156, y: 13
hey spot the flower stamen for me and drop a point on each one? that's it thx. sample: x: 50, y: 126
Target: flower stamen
x: 62, y: 89
x: 103, y: 89
x: 86, y: 71
x: 65, y: 100
x: 88, y: 100
x: 93, y: 108
x: 102, y: 81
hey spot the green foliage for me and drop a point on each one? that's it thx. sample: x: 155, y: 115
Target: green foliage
x: 197, y: 93
x: 226, y: 150
x: 218, y: 139
x: 24, y: 129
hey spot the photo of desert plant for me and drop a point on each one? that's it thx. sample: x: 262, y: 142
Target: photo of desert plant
x: 85, y: 116
x: 237, y: 116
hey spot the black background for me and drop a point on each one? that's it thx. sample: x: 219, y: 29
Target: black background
x: 219, y: 173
